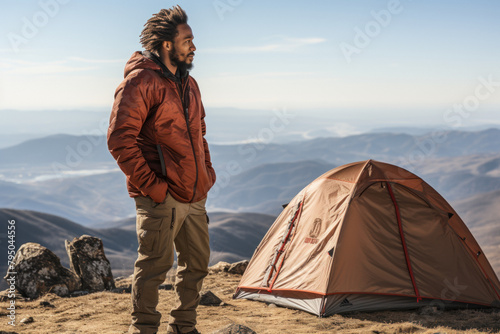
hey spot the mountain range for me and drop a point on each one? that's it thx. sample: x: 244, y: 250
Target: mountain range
x: 233, y: 236
x: 76, y: 179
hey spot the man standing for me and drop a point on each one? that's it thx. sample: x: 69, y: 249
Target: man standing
x: 156, y: 134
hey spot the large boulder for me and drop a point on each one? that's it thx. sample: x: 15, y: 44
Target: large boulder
x: 37, y: 270
x: 88, y: 261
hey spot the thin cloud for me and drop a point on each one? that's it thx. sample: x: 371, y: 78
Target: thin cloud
x: 52, y: 69
x: 284, y: 44
x: 69, y: 65
x: 228, y: 75
x: 98, y: 61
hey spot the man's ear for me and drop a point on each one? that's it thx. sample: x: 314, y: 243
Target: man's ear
x: 167, y: 45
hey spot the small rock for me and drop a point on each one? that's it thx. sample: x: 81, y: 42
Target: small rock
x: 166, y: 287
x: 27, y: 320
x: 79, y: 293
x: 222, y: 304
x: 235, y: 329
x: 46, y: 304
x: 272, y: 306
x: 429, y: 310
x: 208, y: 298
x: 238, y: 268
x: 123, y: 289
x: 219, y: 267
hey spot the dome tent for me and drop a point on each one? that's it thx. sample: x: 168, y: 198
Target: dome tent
x: 369, y: 236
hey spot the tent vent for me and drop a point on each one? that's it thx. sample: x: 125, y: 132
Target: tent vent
x: 478, y: 253
x: 450, y: 215
x: 330, y: 252
x: 345, y: 302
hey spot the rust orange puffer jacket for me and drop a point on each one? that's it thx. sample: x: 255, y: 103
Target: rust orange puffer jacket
x: 156, y: 133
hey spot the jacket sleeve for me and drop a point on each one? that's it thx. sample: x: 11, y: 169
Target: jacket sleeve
x: 133, y: 99
x: 208, y: 161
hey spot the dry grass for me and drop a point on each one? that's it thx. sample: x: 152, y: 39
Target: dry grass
x: 107, y: 312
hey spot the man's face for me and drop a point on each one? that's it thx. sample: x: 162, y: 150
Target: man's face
x: 182, y: 51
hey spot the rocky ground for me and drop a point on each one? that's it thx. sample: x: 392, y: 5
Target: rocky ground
x: 108, y: 312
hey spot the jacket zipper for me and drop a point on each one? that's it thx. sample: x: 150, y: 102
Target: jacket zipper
x: 186, y: 116
x: 162, y: 161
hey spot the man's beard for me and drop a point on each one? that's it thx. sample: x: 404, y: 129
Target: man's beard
x: 174, y: 59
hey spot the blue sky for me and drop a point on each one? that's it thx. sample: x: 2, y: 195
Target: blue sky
x: 412, y: 60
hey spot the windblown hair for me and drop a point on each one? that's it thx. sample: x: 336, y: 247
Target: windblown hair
x: 162, y: 27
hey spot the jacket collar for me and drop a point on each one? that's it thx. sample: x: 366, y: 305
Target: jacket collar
x: 164, y: 69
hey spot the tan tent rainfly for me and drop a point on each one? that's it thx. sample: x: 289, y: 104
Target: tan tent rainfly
x: 369, y: 236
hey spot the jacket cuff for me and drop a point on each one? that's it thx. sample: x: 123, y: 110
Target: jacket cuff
x: 158, y: 193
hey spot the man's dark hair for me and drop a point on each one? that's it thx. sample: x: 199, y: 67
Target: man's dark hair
x: 162, y: 27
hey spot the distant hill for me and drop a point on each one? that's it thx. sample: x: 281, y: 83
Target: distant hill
x: 233, y: 236
x: 94, y: 199
x: 461, y: 177
x: 388, y: 147
x: 462, y: 166
x: 91, y: 151
x: 21, y: 125
x: 266, y: 187
x: 51, y: 231
x: 481, y: 214
x: 66, y: 150
x: 87, y: 199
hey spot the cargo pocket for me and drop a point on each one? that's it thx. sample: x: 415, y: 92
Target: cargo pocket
x: 148, y: 233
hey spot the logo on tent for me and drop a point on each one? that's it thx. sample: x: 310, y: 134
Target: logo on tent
x: 345, y: 302
x: 314, y: 232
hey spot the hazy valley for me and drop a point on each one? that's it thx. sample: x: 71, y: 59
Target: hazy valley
x: 75, y: 187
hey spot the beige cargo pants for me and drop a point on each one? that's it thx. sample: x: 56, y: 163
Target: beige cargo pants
x: 159, y: 228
